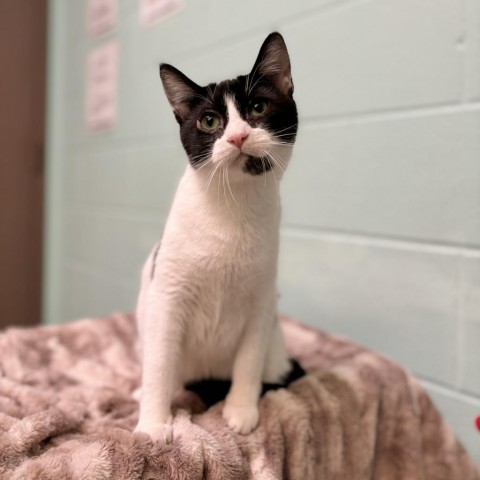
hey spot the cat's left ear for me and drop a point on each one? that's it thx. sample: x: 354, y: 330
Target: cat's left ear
x: 179, y: 89
x: 273, y: 63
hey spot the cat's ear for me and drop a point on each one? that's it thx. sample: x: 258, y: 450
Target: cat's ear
x: 273, y: 63
x: 179, y: 89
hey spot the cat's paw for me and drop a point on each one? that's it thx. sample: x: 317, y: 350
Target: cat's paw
x: 162, y: 432
x: 241, y: 418
x: 137, y: 394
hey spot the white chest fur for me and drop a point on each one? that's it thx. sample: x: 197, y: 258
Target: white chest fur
x: 216, y: 262
x: 207, y: 305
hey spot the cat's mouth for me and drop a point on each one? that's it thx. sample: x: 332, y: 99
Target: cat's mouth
x: 252, y: 164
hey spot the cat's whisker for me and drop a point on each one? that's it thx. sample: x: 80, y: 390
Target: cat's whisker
x: 200, y: 158
x: 280, y: 141
x: 251, y: 78
x: 203, y: 97
x: 275, y: 158
x: 209, y: 90
x: 218, y: 194
x: 278, y: 157
x: 276, y: 181
x: 287, y: 128
x: 224, y: 190
x: 284, y: 136
x: 208, y: 162
x: 270, y: 142
x: 286, y: 139
x: 280, y: 161
x: 256, y: 81
x: 200, y: 155
x: 264, y: 164
x: 230, y: 188
x: 282, y: 164
x: 276, y: 161
x: 212, y: 174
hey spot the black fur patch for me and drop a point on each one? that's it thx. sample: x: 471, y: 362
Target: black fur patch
x: 257, y: 166
x: 214, y: 391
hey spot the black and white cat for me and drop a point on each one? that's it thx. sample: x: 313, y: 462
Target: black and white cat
x: 208, y: 301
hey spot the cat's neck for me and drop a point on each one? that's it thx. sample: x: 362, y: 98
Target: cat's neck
x: 231, y: 201
x: 243, y: 192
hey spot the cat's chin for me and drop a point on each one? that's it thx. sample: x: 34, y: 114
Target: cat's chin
x: 240, y: 158
x: 238, y: 162
x: 250, y: 164
x: 256, y: 166
x: 233, y: 159
x: 244, y: 163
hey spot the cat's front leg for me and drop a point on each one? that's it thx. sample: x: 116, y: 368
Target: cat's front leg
x: 162, y: 339
x: 241, y: 405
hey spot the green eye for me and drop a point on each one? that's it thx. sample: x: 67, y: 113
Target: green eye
x: 209, y: 122
x: 258, y: 108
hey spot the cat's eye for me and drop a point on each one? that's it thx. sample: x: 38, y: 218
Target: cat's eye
x: 209, y: 122
x: 258, y: 108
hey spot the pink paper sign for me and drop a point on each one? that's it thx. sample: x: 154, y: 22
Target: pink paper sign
x: 153, y: 11
x: 102, y: 16
x: 101, y: 93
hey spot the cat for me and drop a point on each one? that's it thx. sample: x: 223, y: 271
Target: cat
x: 207, y: 306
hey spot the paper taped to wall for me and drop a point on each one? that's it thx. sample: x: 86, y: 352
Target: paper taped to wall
x: 102, y: 16
x: 101, y: 87
x: 153, y: 11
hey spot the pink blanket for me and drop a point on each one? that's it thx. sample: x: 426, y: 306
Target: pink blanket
x: 67, y: 412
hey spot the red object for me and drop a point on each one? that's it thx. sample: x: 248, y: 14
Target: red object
x: 477, y: 423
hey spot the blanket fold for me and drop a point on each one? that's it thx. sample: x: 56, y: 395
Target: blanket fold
x: 67, y: 411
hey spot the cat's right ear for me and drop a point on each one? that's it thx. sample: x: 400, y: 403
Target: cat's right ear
x: 273, y: 63
x: 179, y: 89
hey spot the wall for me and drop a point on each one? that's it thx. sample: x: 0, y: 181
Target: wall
x: 381, y: 231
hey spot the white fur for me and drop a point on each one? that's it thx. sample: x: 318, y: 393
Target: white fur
x: 211, y: 308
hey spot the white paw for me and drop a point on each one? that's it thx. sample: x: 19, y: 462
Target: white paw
x: 241, y: 418
x: 162, y: 432
x: 137, y: 394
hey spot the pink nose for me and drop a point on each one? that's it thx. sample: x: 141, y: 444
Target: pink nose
x: 237, y: 138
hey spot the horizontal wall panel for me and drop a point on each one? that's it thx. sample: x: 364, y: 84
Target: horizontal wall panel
x: 134, y: 178
x: 415, y: 178
x: 460, y: 412
x: 378, y: 55
x: 470, y: 324
x: 117, y: 244
x: 398, y: 301
x: 89, y: 293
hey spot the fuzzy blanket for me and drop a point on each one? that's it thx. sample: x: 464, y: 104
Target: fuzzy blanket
x: 67, y: 412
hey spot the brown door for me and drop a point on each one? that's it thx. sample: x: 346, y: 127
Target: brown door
x: 22, y: 111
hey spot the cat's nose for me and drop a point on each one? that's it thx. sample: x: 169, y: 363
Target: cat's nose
x: 237, y: 139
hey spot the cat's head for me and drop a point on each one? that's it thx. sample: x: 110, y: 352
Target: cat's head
x: 248, y: 124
